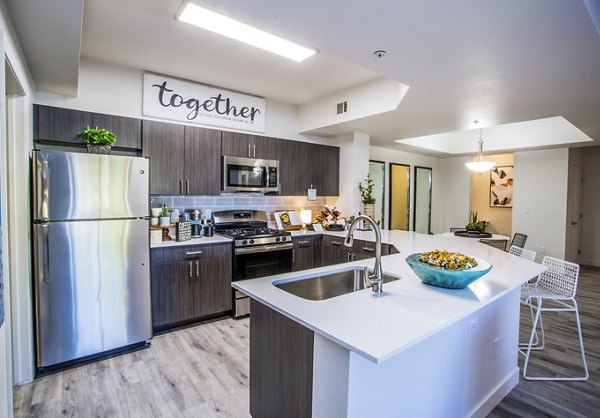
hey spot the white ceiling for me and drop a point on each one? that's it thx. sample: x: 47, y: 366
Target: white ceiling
x: 497, y: 61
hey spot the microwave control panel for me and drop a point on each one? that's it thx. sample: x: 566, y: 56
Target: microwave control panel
x: 272, y: 177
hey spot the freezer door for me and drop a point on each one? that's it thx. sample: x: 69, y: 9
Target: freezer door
x: 74, y: 186
x: 92, y: 287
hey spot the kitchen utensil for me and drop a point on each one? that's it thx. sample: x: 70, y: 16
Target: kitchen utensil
x: 195, y: 214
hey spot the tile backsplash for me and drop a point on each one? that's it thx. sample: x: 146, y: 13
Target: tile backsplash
x: 228, y: 201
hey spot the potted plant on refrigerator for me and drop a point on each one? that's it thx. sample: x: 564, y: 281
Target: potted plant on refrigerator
x: 98, y: 140
x: 367, y: 198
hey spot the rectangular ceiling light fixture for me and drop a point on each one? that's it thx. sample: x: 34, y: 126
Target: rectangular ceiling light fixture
x: 206, y: 19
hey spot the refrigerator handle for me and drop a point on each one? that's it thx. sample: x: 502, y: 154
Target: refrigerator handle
x: 40, y: 178
x: 45, y: 247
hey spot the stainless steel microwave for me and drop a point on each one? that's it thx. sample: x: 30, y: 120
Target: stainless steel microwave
x: 250, y: 175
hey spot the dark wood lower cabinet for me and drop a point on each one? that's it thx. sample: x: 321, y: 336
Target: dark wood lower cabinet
x: 307, y: 252
x: 333, y: 250
x: 281, y: 365
x: 183, y: 291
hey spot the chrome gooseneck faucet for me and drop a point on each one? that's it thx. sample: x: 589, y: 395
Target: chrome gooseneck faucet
x: 376, y: 279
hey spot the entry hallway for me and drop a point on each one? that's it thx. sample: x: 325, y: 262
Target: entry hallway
x: 202, y: 371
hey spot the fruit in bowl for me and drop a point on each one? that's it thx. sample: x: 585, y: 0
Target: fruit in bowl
x: 447, y: 269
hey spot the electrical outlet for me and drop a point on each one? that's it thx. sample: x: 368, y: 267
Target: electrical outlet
x: 473, y: 325
x: 496, y: 347
x: 542, y: 250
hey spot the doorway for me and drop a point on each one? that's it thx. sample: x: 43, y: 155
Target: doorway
x: 399, y: 213
x: 377, y: 172
x: 574, y: 211
x: 422, y: 204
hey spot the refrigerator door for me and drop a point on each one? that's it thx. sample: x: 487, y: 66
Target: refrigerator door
x: 76, y: 186
x: 92, y: 284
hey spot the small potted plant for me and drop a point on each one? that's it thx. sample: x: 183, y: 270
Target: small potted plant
x: 367, y: 198
x: 165, y: 216
x: 97, y: 140
x: 475, y: 224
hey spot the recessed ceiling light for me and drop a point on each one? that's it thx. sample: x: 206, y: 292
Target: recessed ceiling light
x: 209, y: 20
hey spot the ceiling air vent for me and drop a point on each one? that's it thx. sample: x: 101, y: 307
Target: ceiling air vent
x: 342, y: 107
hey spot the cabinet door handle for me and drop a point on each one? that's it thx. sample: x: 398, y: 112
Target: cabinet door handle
x: 197, y: 268
x: 180, y: 186
x: 249, y: 153
x: 253, y: 151
x: 336, y: 243
x: 303, y: 243
x: 189, y: 253
x: 367, y: 249
x: 349, y: 257
x: 187, y: 186
x: 190, y: 271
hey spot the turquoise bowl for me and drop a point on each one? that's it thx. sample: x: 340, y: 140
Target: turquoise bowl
x: 448, y: 279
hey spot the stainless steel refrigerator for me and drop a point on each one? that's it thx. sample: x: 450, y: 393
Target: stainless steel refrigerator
x: 91, y: 254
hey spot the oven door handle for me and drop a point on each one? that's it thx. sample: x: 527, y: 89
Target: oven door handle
x: 264, y: 248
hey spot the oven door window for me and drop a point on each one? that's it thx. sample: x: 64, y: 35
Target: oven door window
x: 251, y: 266
x: 246, y: 176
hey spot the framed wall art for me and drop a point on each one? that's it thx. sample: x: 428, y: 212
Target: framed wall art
x: 501, y: 187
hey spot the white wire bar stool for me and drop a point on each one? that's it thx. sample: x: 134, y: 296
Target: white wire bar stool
x: 525, y: 287
x: 556, y: 287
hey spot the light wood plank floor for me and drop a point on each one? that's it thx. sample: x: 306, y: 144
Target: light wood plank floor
x: 202, y: 371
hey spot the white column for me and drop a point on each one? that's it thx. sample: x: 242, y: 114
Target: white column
x: 354, y: 167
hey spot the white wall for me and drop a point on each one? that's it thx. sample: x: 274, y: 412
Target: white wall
x: 401, y: 157
x: 540, y: 200
x: 354, y: 167
x: 590, y: 224
x: 455, y: 191
x: 15, y: 220
x: 116, y: 90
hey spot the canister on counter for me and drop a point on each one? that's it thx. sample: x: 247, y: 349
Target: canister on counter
x: 174, y: 214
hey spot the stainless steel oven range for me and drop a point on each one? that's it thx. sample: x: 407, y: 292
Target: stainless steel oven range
x: 258, y: 251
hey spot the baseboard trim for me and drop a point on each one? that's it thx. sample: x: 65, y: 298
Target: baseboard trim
x: 589, y: 262
x: 496, y: 395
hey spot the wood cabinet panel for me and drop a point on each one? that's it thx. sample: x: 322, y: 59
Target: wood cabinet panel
x: 202, y: 161
x: 166, y: 299
x: 212, y: 286
x: 163, y: 143
x: 188, y: 284
x: 333, y: 251
x: 58, y: 124
x: 127, y: 130
x: 307, y: 252
x: 238, y: 144
x: 281, y: 365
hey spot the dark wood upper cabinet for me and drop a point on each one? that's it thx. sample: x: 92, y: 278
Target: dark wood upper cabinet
x: 202, y: 161
x: 127, y: 130
x: 303, y: 164
x: 58, y: 124
x: 183, y: 159
x: 61, y: 125
x: 236, y: 144
x: 163, y: 143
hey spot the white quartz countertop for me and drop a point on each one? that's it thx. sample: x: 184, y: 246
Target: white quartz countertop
x: 378, y: 327
x: 215, y: 239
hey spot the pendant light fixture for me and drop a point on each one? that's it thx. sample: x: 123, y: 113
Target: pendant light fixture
x: 480, y: 165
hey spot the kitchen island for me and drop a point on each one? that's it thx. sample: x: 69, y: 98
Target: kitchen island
x: 416, y: 350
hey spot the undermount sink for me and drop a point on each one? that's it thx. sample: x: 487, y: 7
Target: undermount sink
x: 329, y: 285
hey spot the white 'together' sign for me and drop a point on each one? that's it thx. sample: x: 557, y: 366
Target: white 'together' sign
x: 183, y: 101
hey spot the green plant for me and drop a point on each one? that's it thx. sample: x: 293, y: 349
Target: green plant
x: 476, y: 224
x: 95, y: 136
x: 366, y: 191
x: 165, y: 211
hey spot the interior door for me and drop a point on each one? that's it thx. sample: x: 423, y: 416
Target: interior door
x: 377, y: 171
x: 399, y: 196
x: 422, y: 204
x: 575, y: 196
